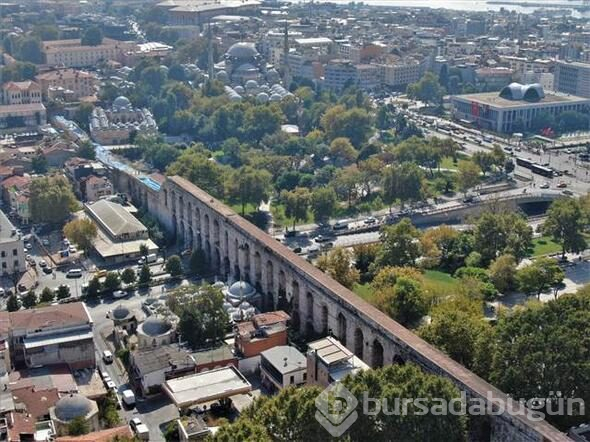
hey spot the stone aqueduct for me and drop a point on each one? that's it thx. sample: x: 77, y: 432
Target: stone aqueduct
x: 317, y: 303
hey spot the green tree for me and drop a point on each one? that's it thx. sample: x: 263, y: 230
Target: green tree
x: 78, y: 426
x: 63, y: 292
x: 500, y: 232
x: 404, y: 182
x: 467, y: 175
x: 29, y: 50
x: 322, y: 203
x: 427, y: 89
x: 198, y: 262
x: 39, y: 164
x: 108, y: 410
x: 342, y: 151
x: 296, y: 204
x: 260, y: 121
x: 128, y: 276
x: 196, y: 167
x: 30, y: 299
x: 112, y: 281
x: 406, y: 301
x: 249, y: 186
x: 51, y: 199
x: 503, y: 273
x: 541, y: 351
x: 94, y: 287
x: 86, y: 150
x: 13, y: 304
x: 145, y: 275
x: 82, y: 232
x: 565, y: 224
x: 203, y: 320
x: 82, y: 116
x: 364, y: 256
x: 92, y: 37
x: 356, y: 124
x: 400, y: 245
x: 484, y: 160
x: 47, y: 295
x: 144, y: 250
x: 542, y: 274
x: 174, y: 265
x: 338, y: 264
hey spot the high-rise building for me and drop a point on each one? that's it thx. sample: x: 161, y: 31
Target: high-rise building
x: 573, y: 78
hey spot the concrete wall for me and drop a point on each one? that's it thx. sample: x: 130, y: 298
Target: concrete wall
x: 318, y: 305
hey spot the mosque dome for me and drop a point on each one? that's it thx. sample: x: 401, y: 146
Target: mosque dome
x: 121, y: 312
x: 241, y: 289
x: 155, y: 326
x: 242, y: 51
x: 72, y: 406
x: 121, y: 103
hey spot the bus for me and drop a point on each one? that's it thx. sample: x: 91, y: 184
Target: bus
x: 542, y: 170
x: 524, y: 162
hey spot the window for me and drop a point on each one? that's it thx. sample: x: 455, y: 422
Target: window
x: 292, y: 380
x: 3, y: 254
x: 14, y: 252
x: 304, y: 376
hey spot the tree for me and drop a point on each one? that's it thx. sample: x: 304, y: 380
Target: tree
x: 249, y: 186
x: 144, y: 250
x: 400, y: 245
x: 82, y: 116
x: 30, y: 299
x: 203, y: 319
x: 405, y: 302
x: 541, y: 350
x: 468, y: 175
x: 145, y: 274
x: 355, y: 124
x: 174, y: 265
x: 195, y: 166
x: 78, y: 426
x: 198, y: 262
x: 427, y: 89
x: 338, y: 264
x: 112, y: 281
x: 342, y: 151
x: 94, y: 287
x: 51, y: 200
x: 503, y: 273
x: 539, y: 276
x: 63, y: 292
x: 39, y: 164
x: 484, y: 160
x: 92, y: 37
x: 565, y: 224
x: 29, y: 50
x: 13, y: 304
x: 323, y: 202
x: 82, y: 232
x: 404, y: 182
x: 499, y: 232
x: 436, y: 245
x: 260, y: 121
x: 108, y: 410
x: 47, y: 295
x: 86, y: 150
x: 364, y: 256
x: 128, y: 276
x: 296, y: 204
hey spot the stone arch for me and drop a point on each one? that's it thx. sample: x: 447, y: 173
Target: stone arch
x: 257, y: 271
x: 295, y: 305
x: 377, y: 354
x: 283, y: 303
x: 245, y: 248
x: 324, y: 320
x: 165, y: 198
x: 359, y: 343
x: 174, y: 225
x: 190, y: 236
x: 216, y: 232
x: 341, y: 328
x: 181, y: 206
x: 180, y: 239
x: 309, y: 329
x: 270, y: 304
x: 237, y: 273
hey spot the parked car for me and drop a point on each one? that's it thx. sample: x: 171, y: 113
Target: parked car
x: 47, y: 270
x: 545, y: 185
x: 562, y: 184
x: 107, y: 356
x: 2, y: 291
x: 370, y: 220
x: 119, y: 294
x: 42, y: 263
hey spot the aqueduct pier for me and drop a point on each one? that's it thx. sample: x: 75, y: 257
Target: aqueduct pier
x: 318, y: 304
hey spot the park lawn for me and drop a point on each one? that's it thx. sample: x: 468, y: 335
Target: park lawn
x: 440, y: 279
x: 365, y: 291
x: 544, y: 245
x: 280, y: 220
x: 248, y: 208
x: 447, y: 162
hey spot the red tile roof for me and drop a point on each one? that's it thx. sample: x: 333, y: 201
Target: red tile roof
x: 53, y: 316
x: 99, y: 436
x: 36, y: 402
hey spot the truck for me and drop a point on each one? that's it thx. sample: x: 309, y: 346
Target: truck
x: 129, y: 398
x: 152, y: 257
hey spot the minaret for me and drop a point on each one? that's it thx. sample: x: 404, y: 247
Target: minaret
x: 210, y: 52
x: 286, y: 73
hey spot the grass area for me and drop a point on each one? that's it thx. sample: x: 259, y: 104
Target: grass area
x: 544, y: 245
x: 248, y: 208
x: 447, y: 162
x: 441, y: 279
x: 278, y: 213
x: 365, y: 291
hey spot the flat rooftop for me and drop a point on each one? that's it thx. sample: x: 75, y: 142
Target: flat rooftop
x: 115, y: 219
x: 285, y: 359
x: 206, y: 386
x: 494, y: 99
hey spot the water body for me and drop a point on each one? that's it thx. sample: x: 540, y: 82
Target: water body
x: 468, y: 5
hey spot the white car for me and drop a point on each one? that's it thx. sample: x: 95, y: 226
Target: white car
x: 42, y: 263
x: 544, y: 186
x: 2, y: 291
x: 119, y: 294
x: 370, y: 220
x: 111, y: 385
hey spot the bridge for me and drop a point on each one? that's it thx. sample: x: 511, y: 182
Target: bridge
x: 318, y: 305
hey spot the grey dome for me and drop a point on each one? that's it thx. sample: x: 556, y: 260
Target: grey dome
x: 121, y: 312
x: 273, y: 76
x: 251, y: 84
x: 241, y: 289
x: 239, y: 89
x: 275, y: 97
x: 527, y: 92
x: 262, y: 97
x: 242, y: 51
x: 72, y: 406
x: 154, y: 326
x: 121, y: 102
x: 222, y: 76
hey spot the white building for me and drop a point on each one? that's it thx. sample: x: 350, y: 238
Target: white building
x: 282, y: 366
x: 71, y: 53
x: 12, y: 254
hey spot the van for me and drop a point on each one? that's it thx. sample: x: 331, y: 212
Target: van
x: 129, y: 398
x: 151, y: 258
x: 74, y: 273
x: 107, y: 356
x: 340, y: 225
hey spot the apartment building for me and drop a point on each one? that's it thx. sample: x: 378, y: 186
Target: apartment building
x: 71, y: 53
x: 70, y: 84
x: 572, y: 78
x: 22, y: 92
x: 12, y: 254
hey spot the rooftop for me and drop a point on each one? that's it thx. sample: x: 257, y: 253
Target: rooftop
x: 7, y: 232
x: 51, y: 317
x: 493, y: 99
x: 149, y: 360
x: 206, y: 386
x: 115, y: 218
x: 285, y: 359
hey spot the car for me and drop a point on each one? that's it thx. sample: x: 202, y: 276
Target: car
x: 567, y: 192
x: 119, y: 294
x: 105, y: 376
x: 321, y: 238
x: 562, y: 184
x: 47, y: 270
x: 107, y: 356
x: 42, y: 263
x: 66, y: 242
x: 370, y: 220
x: 568, y: 151
x: 111, y: 385
x: 134, y: 423
x: 32, y: 263
x: 45, y: 242
x: 28, y: 246
x: 28, y: 257
x: 2, y: 291
x: 297, y: 250
x: 74, y: 273
x: 22, y: 288
x: 72, y: 249
x: 544, y: 186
